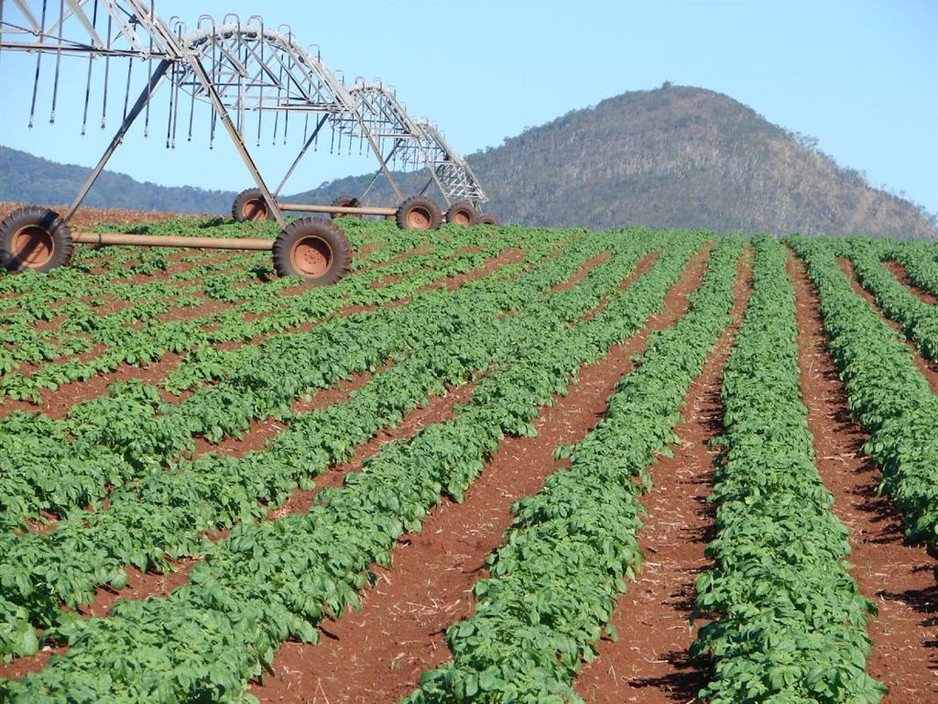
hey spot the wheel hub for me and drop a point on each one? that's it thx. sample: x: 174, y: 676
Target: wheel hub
x: 312, y: 256
x: 255, y: 210
x: 418, y: 219
x: 33, y: 246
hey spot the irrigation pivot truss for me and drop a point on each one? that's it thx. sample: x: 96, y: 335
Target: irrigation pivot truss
x: 415, y: 143
x: 257, y: 81
x: 451, y: 170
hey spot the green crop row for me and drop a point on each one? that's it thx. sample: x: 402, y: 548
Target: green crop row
x: 137, y: 335
x: 59, y: 466
x: 554, y: 580
x: 166, y: 511
x: 34, y: 298
x: 918, y: 319
x: 789, y: 620
x: 276, y: 580
x: 886, y: 393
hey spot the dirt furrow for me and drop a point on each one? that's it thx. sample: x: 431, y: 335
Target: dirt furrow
x: 378, y: 653
x: 650, y: 661
x: 141, y: 585
x: 897, y: 270
x: 928, y: 369
x: 57, y: 403
x: 897, y: 577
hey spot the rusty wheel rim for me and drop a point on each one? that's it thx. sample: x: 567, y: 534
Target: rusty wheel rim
x: 33, y: 246
x: 461, y: 217
x: 311, y: 256
x: 255, y: 210
x: 418, y: 219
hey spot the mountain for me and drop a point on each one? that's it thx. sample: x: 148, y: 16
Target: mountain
x: 677, y: 157
x: 30, y: 179
x: 673, y: 157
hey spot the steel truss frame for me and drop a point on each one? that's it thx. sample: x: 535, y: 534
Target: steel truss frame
x: 244, y: 71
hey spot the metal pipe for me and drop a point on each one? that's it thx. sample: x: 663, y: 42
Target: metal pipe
x: 341, y: 210
x: 219, y: 106
x: 299, y: 157
x: 121, y: 238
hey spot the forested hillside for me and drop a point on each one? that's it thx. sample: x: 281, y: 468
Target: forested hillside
x: 674, y: 157
x: 30, y: 179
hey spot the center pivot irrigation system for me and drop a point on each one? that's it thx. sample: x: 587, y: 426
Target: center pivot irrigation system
x: 254, y: 80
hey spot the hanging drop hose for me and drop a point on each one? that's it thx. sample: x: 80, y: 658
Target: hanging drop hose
x: 58, y: 65
x: 32, y: 106
x: 84, y: 113
x: 107, y: 73
x: 130, y: 66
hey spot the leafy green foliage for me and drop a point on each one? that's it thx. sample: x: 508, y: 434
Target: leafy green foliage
x: 886, y: 393
x: 555, y: 578
x: 157, y: 513
x: 273, y: 580
x: 789, y: 621
x: 918, y: 259
x: 119, y: 473
x: 918, y: 319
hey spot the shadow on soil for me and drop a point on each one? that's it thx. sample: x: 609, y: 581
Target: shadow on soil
x: 924, y: 601
x: 880, y: 508
x: 681, y: 685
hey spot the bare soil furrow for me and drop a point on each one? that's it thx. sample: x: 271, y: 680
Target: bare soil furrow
x: 650, y: 660
x: 378, y: 653
x: 900, y: 273
x: 142, y: 585
x: 897, y: 577
x: 55, y: 403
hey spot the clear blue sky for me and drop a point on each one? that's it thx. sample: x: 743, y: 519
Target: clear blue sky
x: 861, y: 77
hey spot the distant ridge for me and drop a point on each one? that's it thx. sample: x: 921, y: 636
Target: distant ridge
x: 674, y: 157
x: 32, y: 179
x: 686, y: 157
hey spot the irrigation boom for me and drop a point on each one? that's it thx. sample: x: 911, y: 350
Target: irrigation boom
x: 255, y: 79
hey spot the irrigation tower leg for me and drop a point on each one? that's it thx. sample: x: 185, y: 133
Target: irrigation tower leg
x: 219, y: 106
x: 309, y: 142
x: 137, y: 108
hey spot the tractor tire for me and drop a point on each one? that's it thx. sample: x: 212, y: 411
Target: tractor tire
x: 487, y: 220
x: 313, y: 248
x: 345, y: 202
x: 462, y: 213
x: 34, y: 239
x: 250, y: 206
x: 419, y: 213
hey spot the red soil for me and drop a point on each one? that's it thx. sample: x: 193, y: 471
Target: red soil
x: 89, y: 217
x: 378, y: 653
x: 900, y: 273
x: 56, y: 403
x: 897, y: 577
x: 650, y: 661
x: 143, y: 585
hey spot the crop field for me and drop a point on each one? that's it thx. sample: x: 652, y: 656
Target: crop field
x: 491, y: 464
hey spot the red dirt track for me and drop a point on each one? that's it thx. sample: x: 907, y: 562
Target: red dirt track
x: 649, y: 662
x: 377, y: 654
x: 900, y: 273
